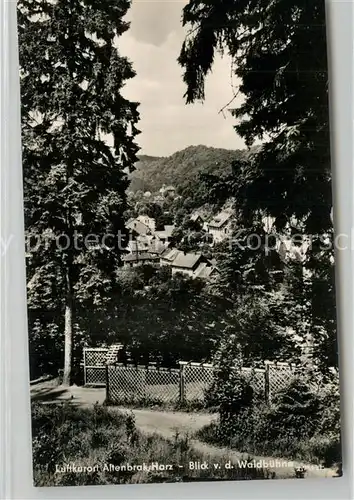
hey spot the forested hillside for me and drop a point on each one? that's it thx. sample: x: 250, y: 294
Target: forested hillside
x: 182, y: 168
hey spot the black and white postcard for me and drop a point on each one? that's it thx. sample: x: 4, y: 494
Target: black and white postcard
x: 179, y: 241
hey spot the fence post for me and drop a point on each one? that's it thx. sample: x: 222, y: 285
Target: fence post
x: 85, y: 378
x: 182, y: 386
x: 266, y: 381
x: 144, y: 379
x: 107, y: 384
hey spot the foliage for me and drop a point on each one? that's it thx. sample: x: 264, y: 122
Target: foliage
x: 280, y: 59
x: 298, y: 424
x: 191, y: 317
x: 187, y: 321
x: 279, y: 55
x: 182, y: 169
x: 257, y: 327
x: 229, y: 393
x: 45, y: 348
x: 295, y: 408
x: 155, y: 403
x: 248, y: 266
x: 93, y: 437
x: 74, y: 183
x: 156, y: 212
x: 189, y: 235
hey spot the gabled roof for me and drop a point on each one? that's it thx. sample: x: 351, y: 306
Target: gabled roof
x: 186, y: 260
x: 170, y: 254
x: 133, y: 257
x: 169, y: 229
x: 196, y: 216
x: 141, y: 218
x: 156, y: 247
x: 145, y: 238
x: 166, y: 233
x: 138, y: 227
x: 220, y: 220
x: 201, y: 269
x: 137, y: 246
x: 204, y: 271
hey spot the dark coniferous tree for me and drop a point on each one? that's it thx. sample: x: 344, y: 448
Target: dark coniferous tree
x: 72, y: 74
x: 279, y: 56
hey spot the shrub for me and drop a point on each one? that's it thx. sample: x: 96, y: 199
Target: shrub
x: 190, y: 405
x: 92, y: 437
x: 324, y: 448
x: 298, y: 424
x: 230, y: 392
x: 294, y: 410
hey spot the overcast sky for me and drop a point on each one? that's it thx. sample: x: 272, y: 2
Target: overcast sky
x: 153, y: 43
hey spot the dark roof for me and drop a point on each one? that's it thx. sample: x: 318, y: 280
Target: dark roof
x: 136, y: 258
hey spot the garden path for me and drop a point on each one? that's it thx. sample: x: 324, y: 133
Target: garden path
x: 166, y: 424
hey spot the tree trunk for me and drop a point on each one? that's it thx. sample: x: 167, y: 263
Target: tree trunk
x: 68, y: 332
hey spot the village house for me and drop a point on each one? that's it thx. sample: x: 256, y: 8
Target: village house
x: 196, y: 217
x: 135, y: 259
x: 156, y: 247
x: 166, y: 234
x: 190, y: 263
x: 150, y: 247
x: 145, y: 238
x: 168, y: 256
x: 137, y: 247
x: 138, y: 228
x: 205, y: 270
x: 148, y: 221
x: 220, y: 226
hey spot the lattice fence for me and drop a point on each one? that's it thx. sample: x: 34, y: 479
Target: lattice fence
x: 142, y: 383
x: 188, y: 383
x: 279, y: 375
x: 95, y: 366
x: 256, y: 378
x: 196, y: 378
